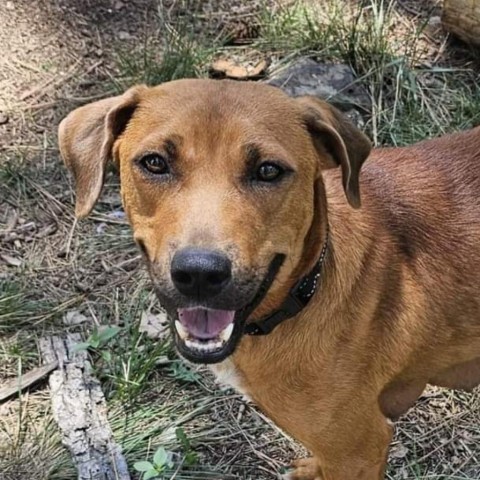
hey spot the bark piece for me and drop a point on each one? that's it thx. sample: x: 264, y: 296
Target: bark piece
x: 80, y: 411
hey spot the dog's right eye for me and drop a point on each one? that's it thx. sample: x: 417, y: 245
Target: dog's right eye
x: 155, y: 163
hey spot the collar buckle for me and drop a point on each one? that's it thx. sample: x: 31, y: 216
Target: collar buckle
x: 290, y: 307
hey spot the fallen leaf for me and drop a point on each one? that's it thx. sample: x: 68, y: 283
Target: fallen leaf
x: 74, y: 317
x: 154, y: 325
x: 399, y: 451
x: 13, y: 261
x: 11, y: 220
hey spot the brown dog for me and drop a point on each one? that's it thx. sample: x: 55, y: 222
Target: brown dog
x: 235, y: 200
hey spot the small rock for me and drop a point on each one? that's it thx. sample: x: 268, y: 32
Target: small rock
x: 100, y: 230
x: 10, y: 6
x: 124, y: 35
x: 335, y: 83
x: 3, y: 118
x: 118, y: 5
x: 435, y: 21
x: 116, y: 215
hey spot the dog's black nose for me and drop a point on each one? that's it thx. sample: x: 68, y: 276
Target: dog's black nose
x: 200, y: 273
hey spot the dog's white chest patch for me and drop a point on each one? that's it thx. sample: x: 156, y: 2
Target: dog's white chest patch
x: 227, y: 375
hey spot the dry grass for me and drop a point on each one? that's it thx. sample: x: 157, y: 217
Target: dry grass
x: 421, y: 85
x: 30, y: 443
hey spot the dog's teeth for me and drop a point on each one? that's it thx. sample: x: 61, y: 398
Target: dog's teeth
x: 204, y: 346
x: 226, y: 333
x: 182, y: 333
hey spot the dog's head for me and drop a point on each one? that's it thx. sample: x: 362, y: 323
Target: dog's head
x: 218, y: 179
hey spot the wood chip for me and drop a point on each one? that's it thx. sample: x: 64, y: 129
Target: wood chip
x: 12, y: 387
x: 230, y: 69
x: 80, y: 411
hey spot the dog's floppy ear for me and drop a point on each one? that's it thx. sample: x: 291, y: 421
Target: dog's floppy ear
x: 338, y: 143
x: 86, y: 137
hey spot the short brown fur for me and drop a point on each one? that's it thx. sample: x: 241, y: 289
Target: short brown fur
x: 399, y: 302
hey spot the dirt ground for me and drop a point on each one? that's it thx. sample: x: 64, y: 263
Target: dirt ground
x: 59, y: 54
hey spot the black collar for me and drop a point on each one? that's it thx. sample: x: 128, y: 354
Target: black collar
x: 297, y: 299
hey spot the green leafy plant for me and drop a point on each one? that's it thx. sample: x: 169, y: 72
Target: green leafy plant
x: 160, y: 463
x: 410, y: 100
x: 190, y: 456
x: 99, y: 339
x: 180, y: 371
x: 181, y: 51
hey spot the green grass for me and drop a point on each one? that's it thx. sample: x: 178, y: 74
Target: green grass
x: 150, y: 393
x: 410, y: 101
x: 129, y: 360
x: 19, y: 306
x: 30, y: 444
x: 178, y: 49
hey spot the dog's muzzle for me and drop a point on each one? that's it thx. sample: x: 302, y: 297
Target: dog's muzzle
x: 208, y: 335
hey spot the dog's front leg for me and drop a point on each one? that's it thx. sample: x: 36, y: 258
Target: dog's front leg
x: 305, y: 469
x: 312, y: 469
x: 356, y: 450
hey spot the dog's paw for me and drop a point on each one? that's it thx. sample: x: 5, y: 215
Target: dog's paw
x: 303, y: 469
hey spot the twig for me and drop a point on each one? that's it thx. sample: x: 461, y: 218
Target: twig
x: 18, y: 384
x: 40, y: 89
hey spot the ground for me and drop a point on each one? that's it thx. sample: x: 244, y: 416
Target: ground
x: 58, y: 275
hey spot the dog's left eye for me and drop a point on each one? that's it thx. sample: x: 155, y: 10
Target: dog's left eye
x: 155, y: 164
x: 269, y: 172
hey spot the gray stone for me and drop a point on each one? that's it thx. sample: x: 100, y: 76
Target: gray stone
x: 335, y: 83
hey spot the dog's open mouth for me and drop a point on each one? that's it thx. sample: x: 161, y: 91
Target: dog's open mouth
x: 208, y: 335
x: 205, y: 335
x: 204, y: 329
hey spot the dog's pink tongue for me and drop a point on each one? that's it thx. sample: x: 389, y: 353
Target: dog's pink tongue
x: 203, y: 323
